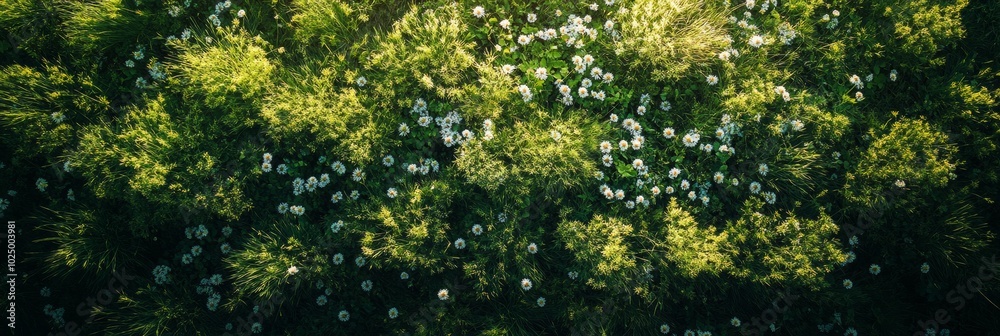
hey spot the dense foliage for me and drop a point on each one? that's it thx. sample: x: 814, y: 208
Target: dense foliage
x: 609, y: 167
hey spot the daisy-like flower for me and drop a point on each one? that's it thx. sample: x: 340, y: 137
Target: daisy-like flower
x: 404, y: 276
x: 532, y: 248
x: 735, y: 322
x: 755, y: 187
x: 607, y: 160
x: 668, y: 132
x: 460, y: 243
x: 532, y: 18
x: 853, y: 241
x: 669, y: 190
x: 540, y: 302
x: 719, y: 177
x: 691, y: 139
x: 404, y: 129
x: 692, y: 195
x: 858, y: 96
x: 756, y: 41
x: 541, y: 73
x: 608, y: 77
x: 392, y: 193
x: 526, y: 284
x: 282, y: 169
x: 477, y: 229
x: 479, y: 12
x: 582, y: 92
x: 712, y: 79
x: 360, y: 261
x: 524, y: 39
x: 361, y: 81
x: 443, y: 295
x: 393, y: 313
x: 366, y: 285
x: 893, y: 75
x: 797, y: 125
x: 507, y: 69
x: 637, y: 163
x: 505, y: 24
x: 875, y: 269
x: 606, y: 147
x: 337, y: 197
x: 924, y: 268
x: 655, y: 190
x: 664, y: 328
x: 556, y: 135
x: 282, y: 208
x: 685, y: 185
x: 344, y: 316
x: 619, y: 194
x: 851, y: 256
x: 293, y: 270
x: 674, y: 173
x: 641, y: 110
x: 856, y: 81
x: 358, y: 175
x: 848, y: 284
x: 525, y: 92
x: 762, y: 169
x: 338, y: 259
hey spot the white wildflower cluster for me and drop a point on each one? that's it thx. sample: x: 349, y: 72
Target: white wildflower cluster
x: 157, y: 71
x: 448, y: 134
x: 161, y: 274
x: 575, y: 31
x: 786, y: 33
x: 780, y: 90
x: 831, y: 23
x: 423, y: 167
x: 266, y: 165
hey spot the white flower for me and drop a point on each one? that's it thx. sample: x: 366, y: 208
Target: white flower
x: 856, y: 81
x: 532, y: 248
x: 691, y: 139
x: 525, y: 92
x: 674, y: 173
x: 404, y: 276
x: 582, y: 92
x: 282, y: 208
x: 532, y: 17
x: 505, y: 24
x: 479, y: 12
x: 858, y: 96
x: 361, y: 81
x: 754, y: 187
x: 541, y: 73
x: 756, y: 41
x: 460, y: 243
x: 338, y: 259
x: 392, y: 193
x: 41, y: 184
x: 477, y: 229
x: 664, y: 328
x: 360, y: 261
x: 924, y: 268
x: 443, y: 294
x: 735, y: 322
x: 848, y: 284
x: 893, y: 75
x: 344, y: 316
x: 762, y: 169
x: 712, y: 79
x: 507, y: 69
x: 875, y: 269
x: 526, y: 284
x: 540, y: 302
x: 358, y: 175
x: 524, y: 39
x: 293, y: 270
x: 668, y: 132
x: 393, y: 313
